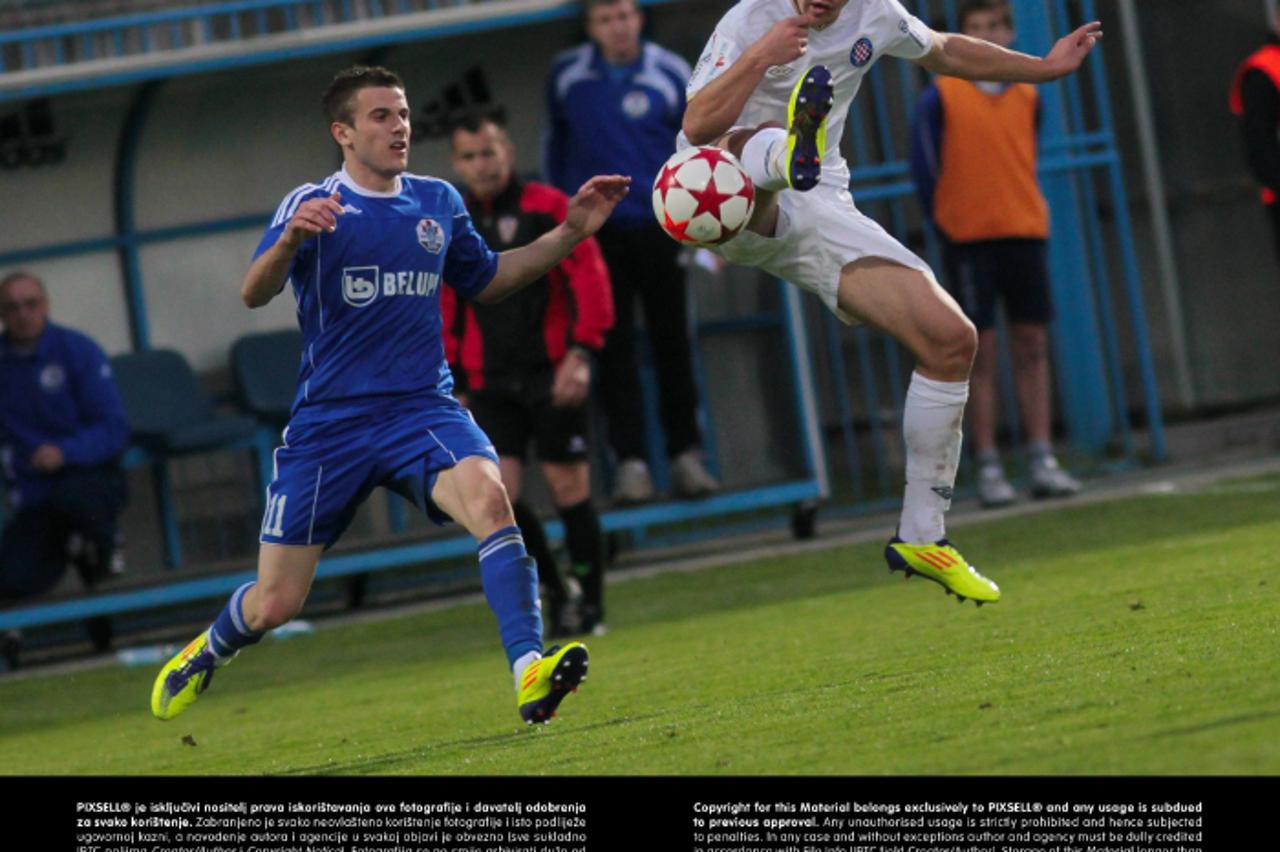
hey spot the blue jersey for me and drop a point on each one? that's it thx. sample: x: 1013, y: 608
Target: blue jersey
x: 61, y: 393
x: 614, y: 118
x: 368, y: 294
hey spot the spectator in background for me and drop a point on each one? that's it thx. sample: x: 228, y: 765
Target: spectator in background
x: 616, y: 103
x: 523, y: 366
x: 62, y: 431
x: 973, y: 154
x: 1255, y: 98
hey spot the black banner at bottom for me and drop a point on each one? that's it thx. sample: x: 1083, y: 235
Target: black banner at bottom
x: 956, y: 814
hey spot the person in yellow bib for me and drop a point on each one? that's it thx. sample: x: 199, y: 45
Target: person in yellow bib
x: 973, y: 156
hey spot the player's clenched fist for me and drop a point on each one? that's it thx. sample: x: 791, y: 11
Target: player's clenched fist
x: 319, y: 215
x: 786, y: 40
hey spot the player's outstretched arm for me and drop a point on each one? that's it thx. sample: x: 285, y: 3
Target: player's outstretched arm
x: 588, y: 210
x: 714, y: 108
x: 267, y: 274
x: 974, y: 59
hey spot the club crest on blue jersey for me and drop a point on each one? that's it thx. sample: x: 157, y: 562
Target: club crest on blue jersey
x: 862, y: 52
x: 635, y: 104
x: 359, y: 285
x: 52, y: 378
x: 430, y: 235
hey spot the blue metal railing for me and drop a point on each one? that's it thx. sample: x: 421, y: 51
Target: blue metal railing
x: 175, y: 30
x: 95, y: 54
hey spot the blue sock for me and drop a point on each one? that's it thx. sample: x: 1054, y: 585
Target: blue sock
x: 510, y: 580
x: 229, y: 632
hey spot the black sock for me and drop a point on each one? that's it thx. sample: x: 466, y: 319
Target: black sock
x: 535, y: 544
x: 585, y: 542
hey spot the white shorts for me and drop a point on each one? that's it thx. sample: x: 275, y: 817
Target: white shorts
x: 818, y: 233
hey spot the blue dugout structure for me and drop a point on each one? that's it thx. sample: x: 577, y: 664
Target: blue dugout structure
x: 1080, y: 167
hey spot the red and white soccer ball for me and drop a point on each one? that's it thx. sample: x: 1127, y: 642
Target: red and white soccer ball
x: 703, y: 195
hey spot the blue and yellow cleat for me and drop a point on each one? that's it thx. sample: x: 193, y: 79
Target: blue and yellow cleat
x: 183, y: 678
x: 943, y: 564
x: 546, y: 682
x: 807, y: 110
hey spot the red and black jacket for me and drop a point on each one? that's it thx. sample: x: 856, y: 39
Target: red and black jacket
x: 1255, y: 97
x: 515, y: 344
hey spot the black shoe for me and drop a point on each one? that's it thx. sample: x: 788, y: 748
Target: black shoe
x: 10, y: 645
x: 100, y: 632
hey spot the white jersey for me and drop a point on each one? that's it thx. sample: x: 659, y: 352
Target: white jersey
x: 864, y: 31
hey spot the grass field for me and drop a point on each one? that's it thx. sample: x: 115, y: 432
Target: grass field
x: 1136, y: 636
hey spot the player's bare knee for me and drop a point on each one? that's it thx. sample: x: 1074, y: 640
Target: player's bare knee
x: 490, y: 506
x: 952, y: 348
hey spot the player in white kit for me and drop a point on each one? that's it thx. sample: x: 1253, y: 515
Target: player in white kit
x: 773, y: 86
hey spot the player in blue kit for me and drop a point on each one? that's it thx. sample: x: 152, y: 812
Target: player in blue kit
x: 367, y: 251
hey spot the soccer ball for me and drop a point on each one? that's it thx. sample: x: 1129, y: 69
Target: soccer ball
x: 703, y: 195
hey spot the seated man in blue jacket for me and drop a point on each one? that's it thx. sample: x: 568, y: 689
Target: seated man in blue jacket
x: 62, y: 430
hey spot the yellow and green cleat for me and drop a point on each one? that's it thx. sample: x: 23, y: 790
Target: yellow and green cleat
x: 183, y: 678
x: 545, y: 682
x: 811, y: 100
x: 943, y: 564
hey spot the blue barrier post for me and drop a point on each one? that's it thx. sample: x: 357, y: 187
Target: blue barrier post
x: 1082, y: 377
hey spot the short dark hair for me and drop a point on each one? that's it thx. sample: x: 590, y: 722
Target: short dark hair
x: 969, y: 7
x: 474, y: 121
x: 339, y: 100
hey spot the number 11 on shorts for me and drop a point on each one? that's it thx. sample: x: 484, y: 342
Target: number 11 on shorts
x: 273, y: 520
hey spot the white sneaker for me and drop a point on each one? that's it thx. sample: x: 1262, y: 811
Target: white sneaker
x: 1048, y: 479
x: 689, y: 477
x: 634, y: 484
x: 993, y: 489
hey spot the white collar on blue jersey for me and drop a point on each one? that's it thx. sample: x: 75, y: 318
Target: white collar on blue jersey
x: 350, y: 183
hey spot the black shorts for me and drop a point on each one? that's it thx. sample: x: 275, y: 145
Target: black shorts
x: 511, y: 421
x: 1015, y: 271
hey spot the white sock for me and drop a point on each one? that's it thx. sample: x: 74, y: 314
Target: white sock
x: 518, y: 667
x: 761, y: 158
x: 932, y: 426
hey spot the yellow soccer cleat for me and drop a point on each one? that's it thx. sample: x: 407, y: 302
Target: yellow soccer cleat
x: 807, y: 110
x: 183, y: 678
x: 545, y: 682
x: 943, y: 564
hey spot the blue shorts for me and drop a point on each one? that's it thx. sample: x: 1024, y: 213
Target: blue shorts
x: 325, y: 470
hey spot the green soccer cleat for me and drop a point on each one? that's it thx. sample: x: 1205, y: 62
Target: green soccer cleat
x: 545, y: 682
x: 183, y: 678
x: 943, y: 564
x: 807, y: 110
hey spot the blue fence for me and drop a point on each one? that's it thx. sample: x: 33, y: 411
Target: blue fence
x: 174, y: 31
x: 91, y: 54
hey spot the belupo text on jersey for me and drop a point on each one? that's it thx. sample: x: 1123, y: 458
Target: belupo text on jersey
x: 361, y: 284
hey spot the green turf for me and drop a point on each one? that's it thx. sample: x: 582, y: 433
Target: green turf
x: 1136, y: 636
